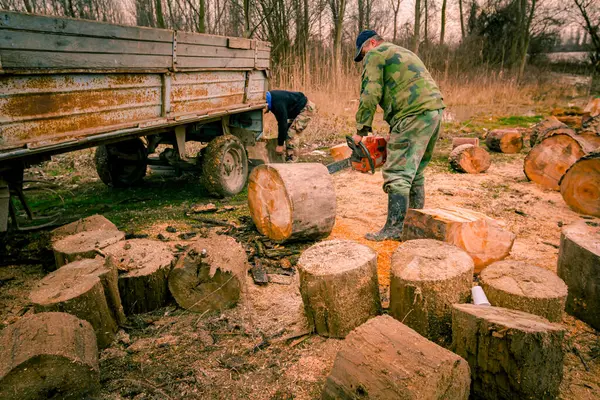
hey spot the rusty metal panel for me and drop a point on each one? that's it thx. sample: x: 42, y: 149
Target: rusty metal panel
x: 258, y: 86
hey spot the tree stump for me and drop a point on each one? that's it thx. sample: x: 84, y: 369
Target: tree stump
x: 292, y: 201
x: 143, y: 266
x: 339, y: 286
x: 508, y: 141
x: 459, y: 141
x: 520, y: 286
x: 210, y: 275
x: 483, y: 238
x: 83, y: 245
x: 86, y: 289
x: 548, y: 127
x: 340, y: 152
x: 48, y: 355
x: 470, y: 159
x: 579, y: 267
x: 92, y: 223
x: 385, y: 359
x: 512, y: 354
x: 580, y: 185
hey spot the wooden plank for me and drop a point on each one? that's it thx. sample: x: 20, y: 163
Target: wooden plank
x: 201, y: 38
x: 192, y: 50
x: 203, y: 62
x: 239, y: 43
x: 263, y: 46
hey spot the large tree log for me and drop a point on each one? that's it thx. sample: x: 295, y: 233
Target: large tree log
x: 470, y: 159
x: 292, y: 201
x: 481, y: 237
x: 83, y: 245
x: 48, y: 356
x: 144, y: 266
x: 210, y: 276
x: 512, y: 354
x: 385, y: 359
x: 548, y: 127
x: 508, y: 141
x: 580, y: 185
x: 339, y: 286
x: 520, y: 286
x: 427, y: 277
x: 459, y: 141
x: 92, y: 223
x: 579, y: 267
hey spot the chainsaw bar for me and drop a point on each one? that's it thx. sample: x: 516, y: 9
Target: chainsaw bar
x: 339, y: 165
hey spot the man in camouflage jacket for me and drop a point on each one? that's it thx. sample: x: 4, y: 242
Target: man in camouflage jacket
x: 397, y: 80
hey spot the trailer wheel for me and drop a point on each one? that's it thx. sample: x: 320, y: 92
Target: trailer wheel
x: 225, y: 166
x: 122, y: 164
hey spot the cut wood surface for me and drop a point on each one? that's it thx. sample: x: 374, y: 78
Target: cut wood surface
x: 48, y: 355
x: 470, y: 159
x: 340, y: 152
x: 83, y: 245
x: 548, y: 127
x: 507, y: 141
x: 580, y: 185
x: 521, y: 286
x: 210, y: 276
x: 143, y: 266
x: 483, y: 238
x: 459, y: 141
x: 579, y: 267
x: 292, y: 201
x: 339, y: 287
x: 385, y: 359
x: 92, y: 223
x: 512, y: 354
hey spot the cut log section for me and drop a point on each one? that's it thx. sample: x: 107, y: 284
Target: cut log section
x: 548, y: 127
x: 459, y: 141
x: 508, y: 141
x: 483, y: 238
x: 91, y: 223
x: 340, y: 152
x: 292, y: 201
x: 579, y: 267
x: 470, y: 159
x: 48, y: 355
x: 580, y: 185
x: 427, y: 277
x: 512, y: 354
x: 210, y: 276
x: 385, y: 359
x: 339, y: 287
x: 520, y: 286
x: 143, y: 266
x: 83, y: 245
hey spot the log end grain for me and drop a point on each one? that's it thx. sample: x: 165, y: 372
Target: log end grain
x: 508, y: 141
x: 469, y: 159
x: 92, y: 223
x: 83, y: 245
x: 340, y: 152
x: 580, y: 186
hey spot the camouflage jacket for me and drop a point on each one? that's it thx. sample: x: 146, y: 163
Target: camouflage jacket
x: 397, y: 80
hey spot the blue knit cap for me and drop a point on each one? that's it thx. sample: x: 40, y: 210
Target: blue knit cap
x: 269, y: 100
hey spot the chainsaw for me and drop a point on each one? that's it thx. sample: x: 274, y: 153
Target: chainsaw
x: 368, y: 154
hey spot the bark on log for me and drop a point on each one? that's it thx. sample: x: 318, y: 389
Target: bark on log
x: 143, y: 266
x: 580, y: 185
x: 512, y: 354
x: 459, y: 141
x: 579, y: 267
x: 520, y: 286
x: 91, y: 223
x: 340, y: 152
x: 385, y: 359
x: 483, y: 238
x: 470, y: 159
x: 210, y: 276
x: 546, y: 128
x: 48, y: 355
x: 339, y: 286
x: 83, y: 245
x: 292, y: 201
x: 427, y: 277
x: 508, y: 141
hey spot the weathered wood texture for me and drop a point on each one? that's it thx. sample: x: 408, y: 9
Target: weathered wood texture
x: 512, y: 354
x: 548, y: 127
x: 427, y: 277
x: 508, y: 141
x: 48, y: 355
x: 469, y: 159
x: 83, y: 245
x: 579, y: 267
x: 580, y: 185
x: 339, y: 286
x: 521, y: 286
x: 292, y: 201
x: 92, y: 223
x: 459, y: 141
x: 385, y: 359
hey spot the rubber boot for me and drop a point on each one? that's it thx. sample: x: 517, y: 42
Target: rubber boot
x: 417, y: 197
x: 397, y: 206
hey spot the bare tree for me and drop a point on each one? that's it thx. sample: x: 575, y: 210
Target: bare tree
x: 338, y: 10
x: 443, y: 23
x: 396, y: 9
x: 462, y: 19
x: 589, y: 13
x: 417, y: 30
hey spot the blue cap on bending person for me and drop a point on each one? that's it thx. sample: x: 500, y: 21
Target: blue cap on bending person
x: 269, y: 100
x: 360, y: 42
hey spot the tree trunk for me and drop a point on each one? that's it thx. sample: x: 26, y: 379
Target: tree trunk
x: 417, y: 32
x: 426, y: 21
x: 508, y: 141
x: 83, y: 245
x: 459, y: 141
x: 201, y: 16
x: 548, y: 127
x: 160, y: 18
x: 580, y: 186
x: 469, y: 159
x: 92, y: 223
x: 443, y: 23
x: 462, y: 19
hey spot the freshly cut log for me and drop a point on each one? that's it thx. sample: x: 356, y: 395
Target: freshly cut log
x: 385, y: 359
x: 470, y: 159
x: 512, y: 354
x: 92, y: 223
x: 292, y: 201
x: 48, y: 355
x: 580, y: 185
x: 427, y: 277
x: 483, y: 238
x: 459, y: 141
x: 579, y: 267
x: 210, y: 276
x: 339, y: 287
x: 340, y: 152
x: 83, y: 245
x: 508, y: 141
x: 548, y: 127
x: 143, y: 266
x: 521, y: 286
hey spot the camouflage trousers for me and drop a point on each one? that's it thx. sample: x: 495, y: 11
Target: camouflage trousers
x: 409, y: 150
x: 297, y: 126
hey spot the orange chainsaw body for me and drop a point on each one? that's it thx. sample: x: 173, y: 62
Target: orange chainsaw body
x: 376, y: 145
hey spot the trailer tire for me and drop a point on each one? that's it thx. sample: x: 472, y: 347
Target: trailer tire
x: 225, y: 166
x: 116, y: 171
